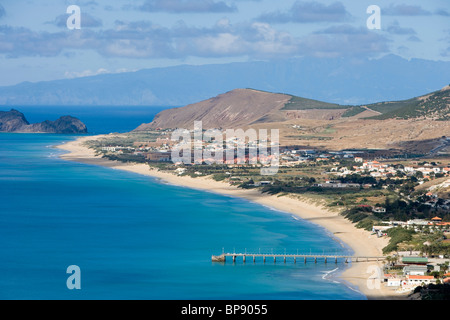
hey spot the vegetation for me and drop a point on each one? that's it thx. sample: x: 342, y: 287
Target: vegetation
x: 353, y: 111
x: 397, y: 236
x: 389, y: 109
x: 433, y: 106
x: 434, y: 292
x: 298, y: 103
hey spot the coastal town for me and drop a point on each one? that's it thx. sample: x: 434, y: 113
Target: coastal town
x: 400, y: 197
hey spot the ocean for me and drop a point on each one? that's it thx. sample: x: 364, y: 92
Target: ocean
x: 134, y: 237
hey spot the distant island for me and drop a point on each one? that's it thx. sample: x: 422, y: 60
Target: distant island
x: 15, y: 121
x: 336, y: 80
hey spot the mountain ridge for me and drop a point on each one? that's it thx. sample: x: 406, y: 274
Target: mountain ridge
x: 244, y: 107
x: 339, y: 80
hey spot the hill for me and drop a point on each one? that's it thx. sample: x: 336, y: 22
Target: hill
x: 244, y: 107
x: 240, y: 107
x: 435, y: 105
x: 313, y: 123
x: 15, y: 121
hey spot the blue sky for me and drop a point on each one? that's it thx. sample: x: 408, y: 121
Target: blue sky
x: 128, y: 35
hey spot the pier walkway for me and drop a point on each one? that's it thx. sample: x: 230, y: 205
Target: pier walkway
x: 305, y: 257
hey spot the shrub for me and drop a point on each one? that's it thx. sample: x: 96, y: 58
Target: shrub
x: 398, y: 235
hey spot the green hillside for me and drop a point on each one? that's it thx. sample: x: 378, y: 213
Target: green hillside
x: 298, y: 103
x: 433, y: 106
x: 353, y: 111
x: 392, y: 106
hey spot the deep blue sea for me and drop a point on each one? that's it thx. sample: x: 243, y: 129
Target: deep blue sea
x: 134, y: 237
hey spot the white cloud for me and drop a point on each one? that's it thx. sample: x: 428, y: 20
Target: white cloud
x: 404, y: 10
x: 308, y: 12
x: 186, y: 6
x: 89, y: 73
x: 146, y: 40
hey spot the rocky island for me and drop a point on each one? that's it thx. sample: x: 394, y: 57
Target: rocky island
x: 15, y: 121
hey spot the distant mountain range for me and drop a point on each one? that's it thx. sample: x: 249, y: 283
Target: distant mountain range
x: 15, y: 121
x: 344, y: 81
x: 244, y: 107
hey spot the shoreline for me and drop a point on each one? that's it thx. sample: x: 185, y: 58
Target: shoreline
x: 361, y: 242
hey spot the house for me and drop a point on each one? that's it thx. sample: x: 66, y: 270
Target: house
x: 415, y: 270
x: 379, y: 210
x: 375, y: 174
x: 262, y: 183
x: 436, y: 219
x: 417, y: 222
x: 397, y: 223
x: 419, y: 280
x: 110, y: 149
x: 442, y: 224
x: 446, y: 278
x: 392, y: 280
x: 180, y: 171
x: 381, y: 228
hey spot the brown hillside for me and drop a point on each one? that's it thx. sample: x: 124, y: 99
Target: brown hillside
x: 312, y: 123
x: 233, y: 109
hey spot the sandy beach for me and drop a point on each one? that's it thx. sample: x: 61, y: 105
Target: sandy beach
x: 360, y: 241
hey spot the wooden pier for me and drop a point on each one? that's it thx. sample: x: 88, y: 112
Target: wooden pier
x: 293, y: 257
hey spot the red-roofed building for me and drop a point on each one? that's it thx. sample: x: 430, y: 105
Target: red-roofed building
x: 442, y: 224
x: 418, y: 280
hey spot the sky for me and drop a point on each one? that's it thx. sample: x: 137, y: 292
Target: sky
x: 128, y: 35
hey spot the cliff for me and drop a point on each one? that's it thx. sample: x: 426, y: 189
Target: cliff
x: 15, y: 121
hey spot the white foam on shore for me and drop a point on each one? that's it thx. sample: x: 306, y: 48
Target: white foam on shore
x: 328, y: 273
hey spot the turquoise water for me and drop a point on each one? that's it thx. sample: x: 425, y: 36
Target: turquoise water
x: 136, y: 238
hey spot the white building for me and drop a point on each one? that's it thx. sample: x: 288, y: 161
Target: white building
x: 394, y: 282
x: 417, y: 222
x: 415, y: 270
x: 419, y: 280
x: 110, y: 149
x: 379, y: 210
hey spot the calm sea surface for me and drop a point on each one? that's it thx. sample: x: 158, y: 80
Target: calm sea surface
x: 134, y: 237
